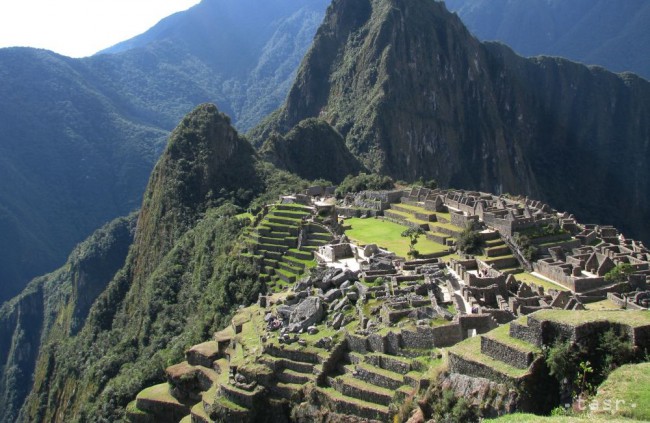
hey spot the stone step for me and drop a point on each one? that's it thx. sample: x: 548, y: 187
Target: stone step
x: 203, y: 354
x: 283, y: 220
x: 289, y: 267
x: 238, y: 396
x: 512, y: 352
x: 158, y: 401
x: 497, y: 251
x: 378, y: 376
x: 299, y: 208
x: 290, y: 213
x: 278, y: 364
x: 294, y: 355
x: 285, y: 276
x: 311, y: 242
x: 387, y: 362
x: 301, y: 255
x: 289, y: 391
x: 199, y: 415
x: 295, y: 262
x: 228, y: 411
x: 466, y: 358
x: 342, y: 404
x: 291, y: 228
x: 290, y: 376
x: 287, y: 242
x: 355, y: 388
x: 326, y: 237
x: 278, y: 248
x: 277, y: 235
x: 135, y: 415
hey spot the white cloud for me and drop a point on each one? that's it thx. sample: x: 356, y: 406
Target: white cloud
x: 80, y: 28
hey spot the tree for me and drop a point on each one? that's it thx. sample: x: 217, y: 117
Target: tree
x: 619, y: 273
x: 470, y: 241
x: 413, y: 233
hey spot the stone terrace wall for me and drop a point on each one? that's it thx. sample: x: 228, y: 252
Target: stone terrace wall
x: 501, y: 352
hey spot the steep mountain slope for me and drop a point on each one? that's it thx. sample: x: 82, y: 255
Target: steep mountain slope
x: 55, y: 306
x: 609, y: 33
x: 182, y: 277
x: 415, y: 95
x: 80, y: 136
x: 312, y: 149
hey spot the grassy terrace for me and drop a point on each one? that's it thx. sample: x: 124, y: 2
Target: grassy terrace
x: 532, y: 418
x: 602, y: 305
x: 528, y: 278
x: 470, y: 350
x: 633, y: 318
x: 502, y: 334
x: 388, y: 235
x: 631, y: 384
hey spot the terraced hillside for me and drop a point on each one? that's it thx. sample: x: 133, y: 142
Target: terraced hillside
x: 284, y: 242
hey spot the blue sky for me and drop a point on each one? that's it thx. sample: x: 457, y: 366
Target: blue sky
x: 79, y: 28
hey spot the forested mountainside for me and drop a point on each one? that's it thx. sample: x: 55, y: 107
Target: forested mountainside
x: 610, y: 33
x: 182, y: 278
x: 54, y: 307
x: 80, y: 136
x: 414, y: 94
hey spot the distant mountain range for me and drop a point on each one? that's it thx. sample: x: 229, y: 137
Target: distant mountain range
x: 609, y: 33
x: 80, y: 136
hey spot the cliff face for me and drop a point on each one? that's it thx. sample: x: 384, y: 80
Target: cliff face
x: 55, y: 306
x: 415, y: 95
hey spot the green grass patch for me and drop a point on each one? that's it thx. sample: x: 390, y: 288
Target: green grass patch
x: 502, y: 334
x: 470, y: 350
x: 634, y: 318
x: 628, y: 385
x: 605, y: 304
x: 388, y: 235
x: 528, y: 278
x: 532, y: 418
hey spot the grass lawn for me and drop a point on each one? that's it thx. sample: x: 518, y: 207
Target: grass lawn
x: 388, y: 235
x: 528, y: 278
x: 532, y: 418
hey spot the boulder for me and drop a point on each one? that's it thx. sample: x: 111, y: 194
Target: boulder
x: 307, y: 313
x: 332, y: 295
x: 339, y: 279
x: 352, y: 296
x: 337, y: 321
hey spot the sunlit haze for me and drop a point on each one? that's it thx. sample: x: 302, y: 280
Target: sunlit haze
x: 79, y: 28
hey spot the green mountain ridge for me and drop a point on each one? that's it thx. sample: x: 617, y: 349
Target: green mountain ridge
x: 55, y: 306
x: 80, y: 136
x: 414, y: 94
x: 182, y: 277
